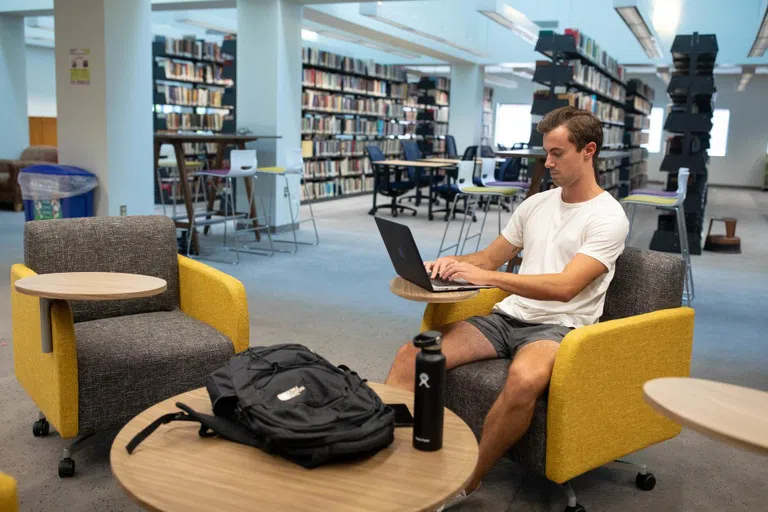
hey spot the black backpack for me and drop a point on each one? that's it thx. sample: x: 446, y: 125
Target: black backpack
x: 289, y: 401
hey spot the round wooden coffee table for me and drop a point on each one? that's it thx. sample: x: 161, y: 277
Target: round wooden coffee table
x: 176, y: 469
x: 84, y: 286
x: 726, y: 412
x: 410, y: 291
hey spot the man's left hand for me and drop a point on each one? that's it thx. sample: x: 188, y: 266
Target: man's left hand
x: 468, y: 272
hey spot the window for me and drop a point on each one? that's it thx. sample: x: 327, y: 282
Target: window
x: 719, y: 134
x: 654, y: 131
x: 513, y: 124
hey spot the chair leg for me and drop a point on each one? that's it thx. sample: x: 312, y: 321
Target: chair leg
x: 573, y: 505
x: 631, y: 218
x: 685, y: 252
x: 67, y: 464
x: 644, y: 480
x: 447, y: 225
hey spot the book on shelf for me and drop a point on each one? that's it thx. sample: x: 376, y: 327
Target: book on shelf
x: 193, y: 48
x: 606, y: 112
x: 589, y: 47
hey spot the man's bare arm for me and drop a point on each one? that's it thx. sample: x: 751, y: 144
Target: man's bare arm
x: 491, y: 258
x: 562, y: 287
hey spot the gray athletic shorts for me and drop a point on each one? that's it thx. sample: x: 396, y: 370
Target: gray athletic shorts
x: 507, y: 334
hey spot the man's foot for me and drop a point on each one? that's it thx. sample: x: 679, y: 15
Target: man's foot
x: 457, y: 499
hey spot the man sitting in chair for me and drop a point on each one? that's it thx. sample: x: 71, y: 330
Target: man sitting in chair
x: 572, y: 236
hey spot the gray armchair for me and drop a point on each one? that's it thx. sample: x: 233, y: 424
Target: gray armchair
x: 113, y: 359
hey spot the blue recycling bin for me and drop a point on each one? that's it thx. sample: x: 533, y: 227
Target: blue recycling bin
x: 52, y: 191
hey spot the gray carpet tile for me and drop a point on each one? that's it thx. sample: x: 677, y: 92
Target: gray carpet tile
x: 335, y: 299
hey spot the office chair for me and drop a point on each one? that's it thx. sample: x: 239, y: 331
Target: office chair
x: 450, y: 147
x: 386, y: 187
x: 419, y: 179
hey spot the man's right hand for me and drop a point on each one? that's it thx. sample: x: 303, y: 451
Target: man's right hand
x: 436, y: 268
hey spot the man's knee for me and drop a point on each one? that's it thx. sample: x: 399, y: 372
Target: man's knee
x: 525, y: 384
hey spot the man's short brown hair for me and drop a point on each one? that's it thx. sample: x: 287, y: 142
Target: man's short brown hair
x: 583, y: 126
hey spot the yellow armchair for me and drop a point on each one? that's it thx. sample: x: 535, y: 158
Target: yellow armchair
x: 594, y: 412
x: 9, y: 500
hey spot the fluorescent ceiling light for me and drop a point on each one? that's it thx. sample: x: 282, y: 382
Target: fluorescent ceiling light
x: 429, y: 70
x: 629, y: 12
x: 747, y: 72
x: 500, y: 82
x: 510, y: 18
x: 308, y: 35
x: 666, y: 16
x: 371, y: 10
x: 663, y: 73
x: 761, y: 38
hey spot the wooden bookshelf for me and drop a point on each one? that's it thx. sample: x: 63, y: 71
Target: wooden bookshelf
x: 347, y: 104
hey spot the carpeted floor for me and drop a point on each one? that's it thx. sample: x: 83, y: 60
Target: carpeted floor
x: 335, y: 299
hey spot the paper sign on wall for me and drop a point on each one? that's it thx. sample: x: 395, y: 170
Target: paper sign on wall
x: 80, y: 66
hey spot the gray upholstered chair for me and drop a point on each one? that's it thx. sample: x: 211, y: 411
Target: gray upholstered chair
x: 594, y: 412
x: 113, y: 359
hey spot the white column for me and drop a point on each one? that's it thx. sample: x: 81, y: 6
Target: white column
x: 269, y: 87
x: 465, y: 120
x: 14, y: 127
x: 105, y: 126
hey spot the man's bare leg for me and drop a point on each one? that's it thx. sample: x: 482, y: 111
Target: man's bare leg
x: 462, y: 343
x: 511, y: 414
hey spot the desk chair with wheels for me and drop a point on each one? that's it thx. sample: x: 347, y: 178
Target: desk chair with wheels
x: 419, y: 177
x: 450, y: 147
x: 674, y: 204
x: 242, y: 164
x: 473, y: 194
x: 294, y: 166
x: 593, y: 412
x: 113, y: 359
x: 385, y: 185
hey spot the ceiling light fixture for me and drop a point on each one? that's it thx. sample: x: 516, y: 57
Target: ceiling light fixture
x: 371, y: 10
x: 761, y: 38
x: 747, y: 72
x: 629, y: 12
x: 500, y: 81
x: 510, y: 18
x: 386, y: 49
x: 308, y: 35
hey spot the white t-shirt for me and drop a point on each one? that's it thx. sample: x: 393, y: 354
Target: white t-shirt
x: 551, y: 232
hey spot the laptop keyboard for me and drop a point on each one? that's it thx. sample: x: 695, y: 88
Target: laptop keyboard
x: 444, y: 282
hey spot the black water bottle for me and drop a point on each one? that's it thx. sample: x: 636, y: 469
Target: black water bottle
x: 429, y: 401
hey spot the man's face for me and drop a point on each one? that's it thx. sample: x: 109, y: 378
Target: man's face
x: 566, y: 164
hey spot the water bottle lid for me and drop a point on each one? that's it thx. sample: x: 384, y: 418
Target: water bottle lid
x: 429, y: 340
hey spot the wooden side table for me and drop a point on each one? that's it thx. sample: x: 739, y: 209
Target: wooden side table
x: 408, y: 290
x: 84, y: 286
x: 726, y: 412
x: 176, y: 469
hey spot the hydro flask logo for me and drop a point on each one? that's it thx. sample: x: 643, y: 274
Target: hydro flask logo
x: 423, y: 380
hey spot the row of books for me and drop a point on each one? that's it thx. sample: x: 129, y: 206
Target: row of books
x: 613, y: 135
x: 438, y: 145
x: 338, y: 187
x: 590, y: 77
x: 331, y: 125
x: 365, y: 85
x: 637, y: 155
x: 399, y: 91
x: 314, y: 169
x: 324, y: 79
x: 640, y: 104
x: 193, y: 72
x: 438, y: 114
x: 636, y: 138
x: 199, y: 148
x: 315, y: 57
x: 192, y: 96
x: 605, y: 111
x: 334, y: 103
x: 637, y: 122
x: 437, y: 82
x: 637, y: 170
x: 642, y: 88
x: 589, y: 47
x: 608, y: 179
x: 193, y: 48
x: 332, y: 147
x: 176, y: 121
x: 437, y: 129
x: 441, y: 98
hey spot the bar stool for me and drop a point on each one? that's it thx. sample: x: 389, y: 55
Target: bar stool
x: 243, y: 164
x: 474, y: 194
x: 670, y: 204
x: 168, y: 161
x: 294, y: 167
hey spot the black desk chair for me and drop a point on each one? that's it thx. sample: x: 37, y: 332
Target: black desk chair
x: 450, y: 147
x: 419, y: 177
x: 386, y: 187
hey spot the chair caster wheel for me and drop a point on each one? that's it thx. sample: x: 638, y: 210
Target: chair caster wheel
x: 394, y: 212
x: 413, y: 214
x: 66, y: 468
x: 41, y: 428
x: 577, y: 508
x: 431, y: 217
x: 645, y: 482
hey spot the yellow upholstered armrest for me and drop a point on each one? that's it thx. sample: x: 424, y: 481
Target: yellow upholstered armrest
x: 9, y: 501
x: 49, y: 379
x: 596, y: 411
x: 437, y: 315
x: 216, y: 299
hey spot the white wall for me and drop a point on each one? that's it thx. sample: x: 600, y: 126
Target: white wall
x: 41, y: 81
x: 744, y: 161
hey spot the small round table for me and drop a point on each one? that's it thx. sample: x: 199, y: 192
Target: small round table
x: 726, y: 412
x: 84, y: 286
x: 176, y: 469
x: 410, y: 291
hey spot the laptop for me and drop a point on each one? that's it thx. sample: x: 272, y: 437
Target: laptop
x: 407, y: 261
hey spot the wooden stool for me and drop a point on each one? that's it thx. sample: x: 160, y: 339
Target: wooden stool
x: 728, y: 242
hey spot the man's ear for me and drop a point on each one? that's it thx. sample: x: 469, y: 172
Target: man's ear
x: 590, y: 149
